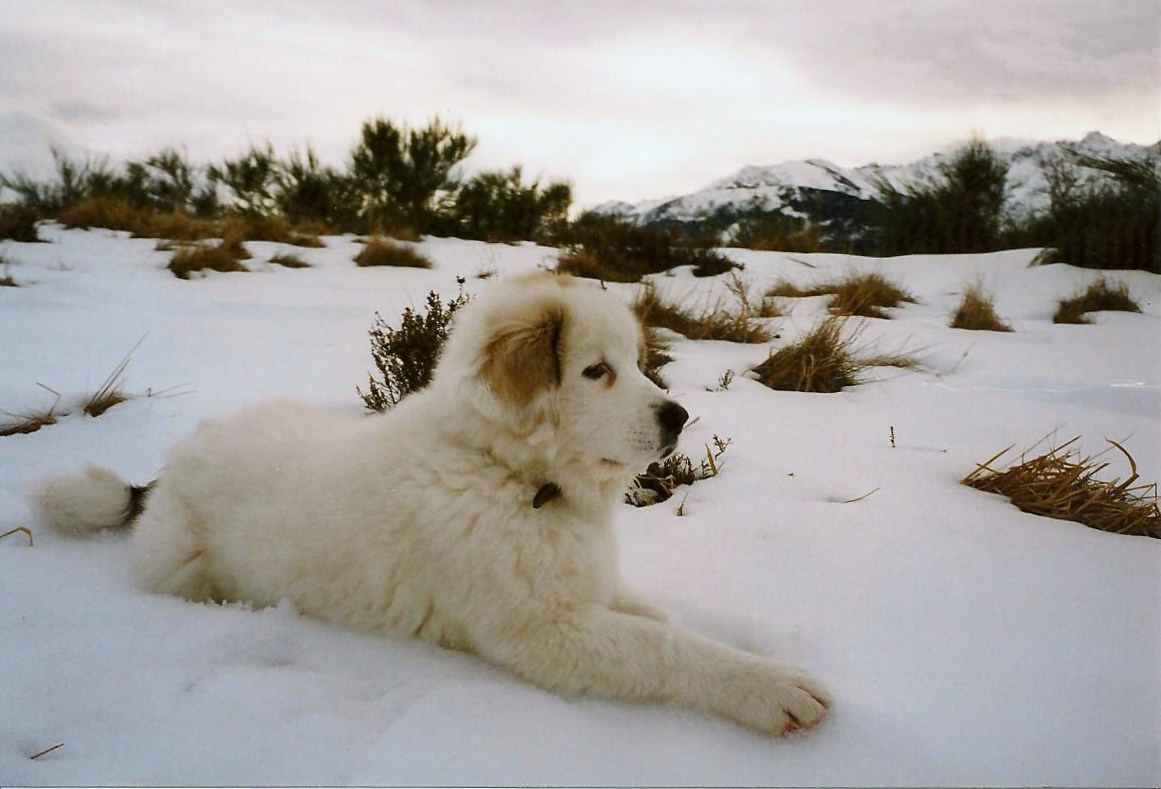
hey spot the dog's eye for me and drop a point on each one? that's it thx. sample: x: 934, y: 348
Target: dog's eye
x: 596, y: 371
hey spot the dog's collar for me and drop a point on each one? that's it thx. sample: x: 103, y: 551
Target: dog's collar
x: 546, y: 493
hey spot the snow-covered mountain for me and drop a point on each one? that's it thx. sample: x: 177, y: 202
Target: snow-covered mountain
x: 816, y: 187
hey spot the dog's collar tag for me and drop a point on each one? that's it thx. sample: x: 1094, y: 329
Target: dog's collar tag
x: 547, y: 492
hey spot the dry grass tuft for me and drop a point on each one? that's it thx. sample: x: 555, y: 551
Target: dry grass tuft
x: 23, y: 424
x: 580, y: 262
x: 221, y: 257
x: 858, y: 294
x: 288, y: 260
x: 1062, y: 483
x: 655, y: 357
x: 1101, y: 295
x: 867, y: 295
x: 107, y: 212
x: 268, y: 228
x: 825, y: 361
x: 110, y: 392
x: 378, y: 252
x: 785, y: 289
x: 6, y: 280
x: 712, y: 323
x: 977, y: 312
x: 117, y: 214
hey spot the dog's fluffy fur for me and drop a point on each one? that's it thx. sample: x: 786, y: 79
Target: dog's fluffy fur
x: 422, y: 521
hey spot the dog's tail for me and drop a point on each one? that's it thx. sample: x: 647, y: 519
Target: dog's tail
x: 89, y: 501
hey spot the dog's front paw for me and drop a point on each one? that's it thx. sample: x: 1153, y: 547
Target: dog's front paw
x: 805, y: 701
x: 781, y: 699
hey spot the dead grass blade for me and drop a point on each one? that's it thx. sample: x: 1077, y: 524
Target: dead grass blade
x: 46, y: 751
x: 110, y: 392
x: 27, y: 532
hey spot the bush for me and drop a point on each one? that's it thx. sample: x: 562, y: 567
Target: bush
x: 1097, y: 297
x: 613, y: 250
x: 1063, y: 484
x: 398, y: 181
x: 18, y: 223
x: 959, y: 210
x: 497, y: 206
x: 397, y: 172
x: 777, y: 232
x: 251, y: 178
x: 378, y: 252
x: 977, y: 312
x: 1106, y: 224
x: 309, y: 194
x: 824, y: 361
x: 406, y: 357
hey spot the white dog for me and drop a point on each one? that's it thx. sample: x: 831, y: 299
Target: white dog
x: 477, y: 514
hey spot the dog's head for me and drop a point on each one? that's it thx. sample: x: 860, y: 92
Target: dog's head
x: 557, y: 362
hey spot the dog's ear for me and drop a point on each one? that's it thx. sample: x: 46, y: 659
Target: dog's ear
x: 521, y: 354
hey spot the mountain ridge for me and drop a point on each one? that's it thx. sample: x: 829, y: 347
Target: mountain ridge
x: 816, y: 188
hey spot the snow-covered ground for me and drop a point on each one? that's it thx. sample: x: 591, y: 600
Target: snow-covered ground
x: 966, y: 643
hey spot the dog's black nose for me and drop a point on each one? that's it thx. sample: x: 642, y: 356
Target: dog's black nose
x: 672, y: 418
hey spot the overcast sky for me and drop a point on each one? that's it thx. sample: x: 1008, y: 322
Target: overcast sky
x: 627, y: 99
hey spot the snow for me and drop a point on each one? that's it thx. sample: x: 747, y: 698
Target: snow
x: 966, y: 643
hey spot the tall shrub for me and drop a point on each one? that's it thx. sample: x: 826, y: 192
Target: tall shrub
x: 251, y: 180
x: 397, y: 172
x: 498, y: 206
x: 958, y: 210
x: 1112, y: 223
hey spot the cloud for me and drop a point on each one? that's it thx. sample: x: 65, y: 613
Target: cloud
x: 630, y: 99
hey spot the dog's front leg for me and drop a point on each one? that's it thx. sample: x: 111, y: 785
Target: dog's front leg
x: 631, y: 603
x: 617, y: 655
